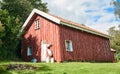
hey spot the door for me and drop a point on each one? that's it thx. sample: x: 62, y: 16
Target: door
x: 43, y: 51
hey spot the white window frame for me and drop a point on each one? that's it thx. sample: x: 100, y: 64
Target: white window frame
x: 29, y: 51
x: 70, y: 47
x: 37, y: 24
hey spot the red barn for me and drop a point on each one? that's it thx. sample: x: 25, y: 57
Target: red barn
x: 70, y: 41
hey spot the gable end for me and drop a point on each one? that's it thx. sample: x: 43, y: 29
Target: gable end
x: 43, y: 14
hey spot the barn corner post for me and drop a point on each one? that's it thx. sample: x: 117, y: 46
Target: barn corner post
x: 59, y: 53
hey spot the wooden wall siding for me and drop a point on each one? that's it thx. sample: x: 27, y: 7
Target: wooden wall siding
x: 86, y: 47
x: 48, y: 31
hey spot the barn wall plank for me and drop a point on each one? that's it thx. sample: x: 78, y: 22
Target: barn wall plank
x: 86, y: 46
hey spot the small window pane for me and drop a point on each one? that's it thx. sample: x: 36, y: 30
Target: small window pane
x: 37, y: 24
x: 29, y: 51
x: 68, y: 44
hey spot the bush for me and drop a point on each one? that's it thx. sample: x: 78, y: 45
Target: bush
x: 117, y: 56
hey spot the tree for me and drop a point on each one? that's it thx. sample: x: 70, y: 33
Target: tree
x: 39, y: 5
x: 8, y: 35
x: 22, y: 8
x: 115, y: 38
x: 112, y: 31
x: 116, y: 4
x: 12, y: 15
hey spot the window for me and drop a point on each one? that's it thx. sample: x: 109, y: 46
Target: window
x: 68, y: 44
x: 29, y: 51
x: 37, y: 24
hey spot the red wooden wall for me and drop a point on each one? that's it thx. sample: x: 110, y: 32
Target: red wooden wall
x: 48, y: 31
x: 86, y: 47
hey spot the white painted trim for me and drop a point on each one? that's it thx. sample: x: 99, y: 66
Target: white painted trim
x: 113, y: 50
x: 56, y: 20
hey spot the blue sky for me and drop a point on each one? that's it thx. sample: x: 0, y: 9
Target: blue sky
x: 97, y: 14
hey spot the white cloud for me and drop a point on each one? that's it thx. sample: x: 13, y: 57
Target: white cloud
x: 104, y: 27
x: 89, y: 12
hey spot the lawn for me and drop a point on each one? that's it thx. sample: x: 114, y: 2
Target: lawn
x: 64, y: 68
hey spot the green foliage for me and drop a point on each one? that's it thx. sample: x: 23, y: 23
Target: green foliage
x: 117, y: 56
x: 1, y: 31
x: 115, y: 38
x: 22, y: 8
x: 39, y: 5
x: 116, y: 4
x: 8, y: 36
x: 12, y: 15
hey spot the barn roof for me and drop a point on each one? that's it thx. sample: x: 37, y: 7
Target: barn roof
x: 65, y: 22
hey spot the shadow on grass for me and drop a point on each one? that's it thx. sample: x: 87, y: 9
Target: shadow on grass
x: 5, y: 72
x: 44, y: 68
x: 40, y: 68
x: 3, y: 69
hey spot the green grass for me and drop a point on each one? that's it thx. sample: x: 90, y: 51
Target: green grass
x: 65, y: 68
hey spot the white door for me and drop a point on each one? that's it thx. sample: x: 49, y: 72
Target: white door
x: 43, y: 51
